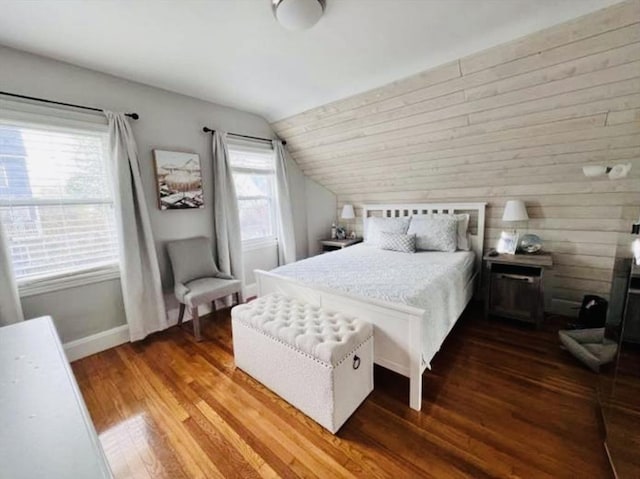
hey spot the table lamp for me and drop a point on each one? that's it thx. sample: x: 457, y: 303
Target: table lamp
x: 515, y: 210
x: 348, y: 214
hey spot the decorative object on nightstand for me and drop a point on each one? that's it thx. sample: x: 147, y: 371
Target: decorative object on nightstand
x: 334, y: 244
x: 530, y: 244
x: 348, y: 214
x: 514, y: 288
x: 508, y: 243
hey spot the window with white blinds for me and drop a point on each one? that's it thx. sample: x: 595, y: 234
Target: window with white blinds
x: 56, y: 202
x: 253, y: 172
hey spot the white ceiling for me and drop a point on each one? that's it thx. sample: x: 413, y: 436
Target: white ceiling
x: 234, y: 53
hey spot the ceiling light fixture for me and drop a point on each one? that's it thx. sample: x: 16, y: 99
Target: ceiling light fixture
x: 298, y: 14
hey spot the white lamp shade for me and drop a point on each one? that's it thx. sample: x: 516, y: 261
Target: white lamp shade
x: 298, y: 14
x: 347, y: 212
x: 515, y: 210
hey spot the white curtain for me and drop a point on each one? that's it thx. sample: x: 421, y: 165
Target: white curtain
x: 286, y: 233
x: 10, y: 307
x: 139, y: 271
x: 226, y: 218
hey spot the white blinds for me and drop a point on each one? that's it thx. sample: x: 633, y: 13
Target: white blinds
x: 254, y: 177
x: 56, y: 201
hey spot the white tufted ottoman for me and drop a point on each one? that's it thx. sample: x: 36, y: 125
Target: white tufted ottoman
x: 320, y: 362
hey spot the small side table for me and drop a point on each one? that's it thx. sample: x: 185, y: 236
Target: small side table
x: 514, y: 287
x: 334, y: 244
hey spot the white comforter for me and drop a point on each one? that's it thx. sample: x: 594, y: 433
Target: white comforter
x: 433, y: 281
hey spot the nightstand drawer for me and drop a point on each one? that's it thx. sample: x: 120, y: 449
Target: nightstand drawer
x: 514, y: 290
x: 514, y: 295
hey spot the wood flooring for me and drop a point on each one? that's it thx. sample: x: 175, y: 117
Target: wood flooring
x: 502, y: 400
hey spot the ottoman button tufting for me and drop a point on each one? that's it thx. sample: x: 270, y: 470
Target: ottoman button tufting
x: 283, y: 342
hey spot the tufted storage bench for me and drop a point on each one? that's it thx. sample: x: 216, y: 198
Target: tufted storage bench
x: 320, y: 362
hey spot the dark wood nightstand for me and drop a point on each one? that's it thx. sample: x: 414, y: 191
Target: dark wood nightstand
x: 334, y: 244
x: 514, y: 287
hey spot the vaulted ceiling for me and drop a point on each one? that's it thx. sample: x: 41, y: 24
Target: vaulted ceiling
x: 519, y: 120
x: 233, y: 52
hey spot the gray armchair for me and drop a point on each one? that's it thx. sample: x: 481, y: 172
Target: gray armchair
x: 197, y: 278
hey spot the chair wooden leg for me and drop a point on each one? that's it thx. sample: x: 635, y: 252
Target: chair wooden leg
x: 239, y: 297
x: 181, y: 314
x: 196, y: 323
x: 213, y: 306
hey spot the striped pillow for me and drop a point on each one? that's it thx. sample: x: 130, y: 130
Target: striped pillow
x: 397, y: 242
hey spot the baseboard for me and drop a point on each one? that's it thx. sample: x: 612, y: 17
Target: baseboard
x: 83, y: 347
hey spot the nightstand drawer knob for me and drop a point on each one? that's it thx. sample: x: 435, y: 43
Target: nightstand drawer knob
x: 516, y: 277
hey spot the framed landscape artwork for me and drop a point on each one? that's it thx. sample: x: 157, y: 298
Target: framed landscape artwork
x: 179, y: 180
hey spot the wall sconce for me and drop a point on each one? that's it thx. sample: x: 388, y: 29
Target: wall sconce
x: 615, y: 172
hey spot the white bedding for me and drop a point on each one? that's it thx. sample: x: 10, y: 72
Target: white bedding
x: 429, y: 280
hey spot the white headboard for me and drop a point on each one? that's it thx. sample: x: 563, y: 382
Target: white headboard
x: 476, y: 213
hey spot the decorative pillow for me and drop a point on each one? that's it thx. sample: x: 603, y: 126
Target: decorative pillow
x: 463, y: 229
x: 397, y: 242
x: 376, y: 225
x: 435, y: 232
x: 463, y: 235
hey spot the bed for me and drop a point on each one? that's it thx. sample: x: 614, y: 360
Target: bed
x: 413, y: 300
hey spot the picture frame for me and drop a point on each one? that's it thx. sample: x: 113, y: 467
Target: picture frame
x: 508, y: 243
x: 178, y: 180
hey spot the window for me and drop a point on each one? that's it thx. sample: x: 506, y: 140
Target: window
x: 4, y: 179
x: 56, y: 203
x: 254, y: 177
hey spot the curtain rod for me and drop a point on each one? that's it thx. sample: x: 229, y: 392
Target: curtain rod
x: 134, y: 116
x: 209, y: 130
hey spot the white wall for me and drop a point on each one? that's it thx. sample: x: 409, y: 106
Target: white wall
x: 319, y: 213
x: 168, y: 121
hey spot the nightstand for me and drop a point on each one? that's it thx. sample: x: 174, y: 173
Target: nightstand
x: 514, y: 287
x: 334, y: 244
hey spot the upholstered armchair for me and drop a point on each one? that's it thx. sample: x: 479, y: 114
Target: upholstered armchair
x: 197, y: 278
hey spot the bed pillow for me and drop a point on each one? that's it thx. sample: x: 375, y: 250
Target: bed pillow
x: 376, y: 225
x: 464, y: 244
x: 435, y: 232
x: 463, y: 231
x: 397, y: 242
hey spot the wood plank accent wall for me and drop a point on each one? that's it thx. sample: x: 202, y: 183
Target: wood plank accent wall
x: 516, y: 121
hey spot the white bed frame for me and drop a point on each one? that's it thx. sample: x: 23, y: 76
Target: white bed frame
x: 398, y: 327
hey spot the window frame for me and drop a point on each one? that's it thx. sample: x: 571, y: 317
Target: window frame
x: 265, y: 241
x: 28, y: 115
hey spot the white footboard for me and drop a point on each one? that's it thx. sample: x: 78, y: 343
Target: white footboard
x: 397, y: 328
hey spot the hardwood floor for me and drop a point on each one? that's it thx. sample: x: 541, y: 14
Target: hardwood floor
x: 502, y: 401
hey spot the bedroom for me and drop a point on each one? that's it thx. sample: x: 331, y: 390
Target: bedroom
x: 518, y: 117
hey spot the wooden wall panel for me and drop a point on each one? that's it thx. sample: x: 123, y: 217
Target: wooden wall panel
x: 516, y: 121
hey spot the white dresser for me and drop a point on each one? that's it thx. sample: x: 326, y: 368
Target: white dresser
x: 45, y: 428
